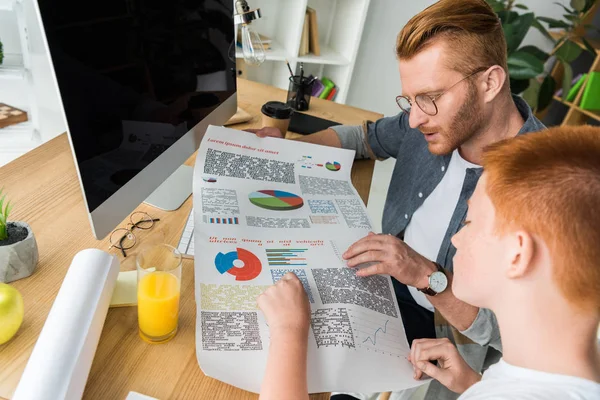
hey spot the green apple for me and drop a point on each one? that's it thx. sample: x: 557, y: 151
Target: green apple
x: 11, y: 312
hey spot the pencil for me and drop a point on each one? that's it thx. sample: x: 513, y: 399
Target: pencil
x: 290, y: 68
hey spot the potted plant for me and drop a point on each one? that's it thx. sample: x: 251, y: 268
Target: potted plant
x: 526, y: 63
x: 1, y: 52
x: 18, y: 248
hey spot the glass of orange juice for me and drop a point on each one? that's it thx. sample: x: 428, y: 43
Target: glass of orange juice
x: 159, y: 288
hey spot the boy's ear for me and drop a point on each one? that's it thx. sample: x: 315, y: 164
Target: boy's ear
x: 521, y: 248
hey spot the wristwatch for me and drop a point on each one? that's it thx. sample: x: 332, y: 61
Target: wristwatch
x: 438, y: 282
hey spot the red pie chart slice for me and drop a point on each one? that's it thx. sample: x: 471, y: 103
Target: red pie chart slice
x: 251, y: 268
x: 295, y: 202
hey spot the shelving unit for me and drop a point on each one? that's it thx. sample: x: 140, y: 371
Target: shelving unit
x: 16, y: 83
x: 566, y: 113
x: 340, y: 25
x: 12, y: 67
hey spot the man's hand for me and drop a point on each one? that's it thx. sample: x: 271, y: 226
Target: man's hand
x: 392, y: 257
x: 266, y: 131
x: 452, y: 371
x: 285, y: 306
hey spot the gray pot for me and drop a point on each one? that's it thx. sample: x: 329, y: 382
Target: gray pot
x: 18, y: 260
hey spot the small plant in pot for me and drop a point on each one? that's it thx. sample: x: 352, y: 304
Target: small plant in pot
x: 18, y: 248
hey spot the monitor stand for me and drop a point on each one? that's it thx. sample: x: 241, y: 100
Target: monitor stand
x: 173, y: 192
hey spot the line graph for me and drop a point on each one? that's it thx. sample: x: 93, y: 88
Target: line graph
x: 380, y: 329
x: 379, y: 334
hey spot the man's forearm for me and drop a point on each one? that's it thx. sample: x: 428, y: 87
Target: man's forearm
x: 328, y: 137
x: 458, y: 313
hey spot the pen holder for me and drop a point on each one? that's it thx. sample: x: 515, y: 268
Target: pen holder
x: 299, y: 92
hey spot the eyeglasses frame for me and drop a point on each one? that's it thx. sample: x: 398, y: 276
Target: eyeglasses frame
x: 129, y: 231
x: 437, y: 96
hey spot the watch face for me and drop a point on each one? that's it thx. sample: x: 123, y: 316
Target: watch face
x: 438, y: 281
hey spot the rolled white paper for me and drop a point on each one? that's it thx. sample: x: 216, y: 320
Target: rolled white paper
x: 62, y: 357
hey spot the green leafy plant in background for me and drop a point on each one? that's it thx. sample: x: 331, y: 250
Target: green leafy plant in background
x: 526, y: 63
x: 1, y: 52
x: 4, y: 216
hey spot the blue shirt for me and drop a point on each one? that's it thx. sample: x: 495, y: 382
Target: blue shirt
x: 417, y: 170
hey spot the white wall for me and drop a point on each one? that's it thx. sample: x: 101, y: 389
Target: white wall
x: 376, y: 81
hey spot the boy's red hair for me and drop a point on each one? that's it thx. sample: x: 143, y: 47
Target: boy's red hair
x: 548, y: 183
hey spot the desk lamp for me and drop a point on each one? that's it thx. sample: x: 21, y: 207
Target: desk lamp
x: 254, y: 52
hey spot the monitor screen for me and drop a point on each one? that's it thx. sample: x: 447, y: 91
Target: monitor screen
x: 134, y: 77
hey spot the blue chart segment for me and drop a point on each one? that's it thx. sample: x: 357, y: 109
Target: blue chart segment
x: 333, y: 166
x: 286, y: 257
x: 224, y: 262
x: 373, y: 338
x: 221, y: 220
x: 251, y: 264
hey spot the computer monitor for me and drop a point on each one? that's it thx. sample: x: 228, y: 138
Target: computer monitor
x: 139, y: 81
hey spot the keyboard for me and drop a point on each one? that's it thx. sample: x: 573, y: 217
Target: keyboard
x: 186, y: 243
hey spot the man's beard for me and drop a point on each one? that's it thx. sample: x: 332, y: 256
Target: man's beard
x: 467, y: 122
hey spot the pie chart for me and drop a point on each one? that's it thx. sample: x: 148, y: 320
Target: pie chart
x: 333, y: 166
x: 276, y: 200
x: 251, y: 264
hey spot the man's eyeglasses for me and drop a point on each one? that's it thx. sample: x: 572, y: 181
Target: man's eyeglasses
x: 427, y: 102
x: 124, y: 238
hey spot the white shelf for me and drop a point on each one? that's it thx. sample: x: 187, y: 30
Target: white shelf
x: 12, y: 73
x: 276, y: 53
x: 328, y: 56
x: 12, y: 66
x: 18, y: 133
x: 340, y: 25
x: 6, y: 5
x: 16, y: 140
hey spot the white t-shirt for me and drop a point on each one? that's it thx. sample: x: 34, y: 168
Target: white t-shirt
x: 428, y: 225
x: 503, y: 381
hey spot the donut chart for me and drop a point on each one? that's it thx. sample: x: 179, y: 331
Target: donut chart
x: 333, y: 166
x: 276, y: 200
x: 250, y: 270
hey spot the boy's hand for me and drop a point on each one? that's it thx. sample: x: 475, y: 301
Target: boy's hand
x: 285, y: 305
x: 266, y: 131
x: 452, y: 371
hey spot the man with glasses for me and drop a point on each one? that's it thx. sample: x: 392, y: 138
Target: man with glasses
x: 456, y: 100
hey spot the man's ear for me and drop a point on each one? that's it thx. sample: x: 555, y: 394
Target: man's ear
x: 521, y: 251
x: 494, y: 78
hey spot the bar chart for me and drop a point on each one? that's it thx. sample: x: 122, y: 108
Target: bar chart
x: 287, y: 257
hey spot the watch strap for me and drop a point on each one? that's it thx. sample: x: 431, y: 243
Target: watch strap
x: 428, y: 291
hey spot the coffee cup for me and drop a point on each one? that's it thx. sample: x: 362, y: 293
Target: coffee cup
x: 277, y: 114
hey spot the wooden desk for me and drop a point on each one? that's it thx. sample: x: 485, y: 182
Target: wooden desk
x: 44, y: 189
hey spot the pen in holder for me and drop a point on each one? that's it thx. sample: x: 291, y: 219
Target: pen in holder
x: 299, y: 92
